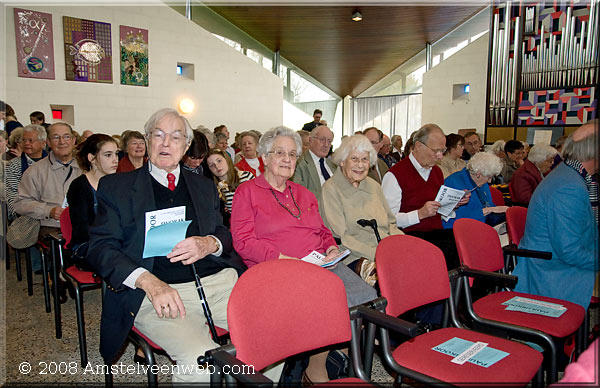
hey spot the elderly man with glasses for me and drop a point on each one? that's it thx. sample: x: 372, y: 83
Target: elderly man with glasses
x: 157, y: 291
x: 313, y: 167
x: 411, y: 186
x: 44, y: 185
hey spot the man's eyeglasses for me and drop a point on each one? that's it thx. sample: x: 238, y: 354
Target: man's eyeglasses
x: 160, y: 136
x: 440, y: 152
x: 323, y: 140
x: 66, y: 137
x: 280, y: 154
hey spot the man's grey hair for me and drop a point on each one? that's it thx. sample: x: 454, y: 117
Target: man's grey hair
x: 210, y: 135
x: 539, y: 153
x: 164, y: 112
x: 268, y: 138
x: 422, y: 135
x: 497, y: 147
x: 313, y: 133
x: 51, y: 127
x: 485, y: 163
x: 41, y: 131
x: 358, y: 143
x: 582, y: 150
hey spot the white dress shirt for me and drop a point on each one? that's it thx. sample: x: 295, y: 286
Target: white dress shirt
x: 315, y: 159
x: 161, y: 177
x: 393, y: 194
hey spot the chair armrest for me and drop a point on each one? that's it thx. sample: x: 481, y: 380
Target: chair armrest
x: 501, y: 279
x: 527, y: 253
x: 388, y: 322
x: 223, y: 358
x: 56, y: 236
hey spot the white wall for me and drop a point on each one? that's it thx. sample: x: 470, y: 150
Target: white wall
x: 229, y: 88
x: 469, y: 65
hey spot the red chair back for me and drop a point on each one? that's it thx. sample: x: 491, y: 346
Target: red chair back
x: 516, y: 216
x: 281, y: 308
x: 66, y: 229
x: 478, y: 245
x: 497, y: 196
x: 511, y: 192
x: 412, y: 272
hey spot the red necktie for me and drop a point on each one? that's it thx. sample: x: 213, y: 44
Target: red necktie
x: 171, y: 179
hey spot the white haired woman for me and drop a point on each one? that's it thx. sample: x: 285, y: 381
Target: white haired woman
x: 351, y: 195
x: 274, y: 218
x: 530, y: 174
x: 480, y: 170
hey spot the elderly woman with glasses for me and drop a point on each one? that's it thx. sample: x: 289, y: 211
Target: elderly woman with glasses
x: 274, y: 218
x: 351, y: 195
x: 480, y: 170
x: 133, y: 145
x: 530, y: 174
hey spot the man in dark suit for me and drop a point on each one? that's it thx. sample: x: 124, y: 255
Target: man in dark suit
x: 317, y: 114
x: 157, y: 293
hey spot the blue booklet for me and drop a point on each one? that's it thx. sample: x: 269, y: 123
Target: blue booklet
x: 161, y: 239
x: 485, y: 357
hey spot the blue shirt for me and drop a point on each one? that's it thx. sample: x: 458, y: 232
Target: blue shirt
x: 481, y: 197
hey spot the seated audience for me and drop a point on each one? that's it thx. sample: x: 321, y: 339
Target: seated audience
x: 498, y: 149
x: 222, y: 142
x: 530, y: 174
x: 210, y: 136
x: 350, y: 195
x: 515, y: 153
x: 38, y: 118
x: 10, y: 120
x: 194, y: 158
x: 15, y: 142
x: 304, y: 135
x: 480, y: 170
x: 558, y: 146
x: 411, y: 187
x: 158, y: 294
x: 274, y: 218
x: 526, y: 149
x: 472, y: 145
x: 584, y: 370
x: 227, y: 178
x: 375, y: 136
x: 563, y: 219
x: 96, y: 157
x: 384, y: 152
x: 85, y: 134
x: 249, y: 158
x: 397, y: 153
x: 222, y: 129
x: 4, y: 154
x: 313, y: 167
x: 451, y: 162
x: 133, y: 145
x: 33, y: 141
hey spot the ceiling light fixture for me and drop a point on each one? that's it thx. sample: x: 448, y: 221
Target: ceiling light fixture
x: 186, y: 106
x: 357, y: 16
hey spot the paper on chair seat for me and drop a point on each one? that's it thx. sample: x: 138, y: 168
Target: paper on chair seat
x: 485, y: 357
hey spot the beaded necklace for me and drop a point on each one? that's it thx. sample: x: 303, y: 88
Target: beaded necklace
x: 285, y: 207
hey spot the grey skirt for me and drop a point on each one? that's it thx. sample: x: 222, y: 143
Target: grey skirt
x: 357, y: 290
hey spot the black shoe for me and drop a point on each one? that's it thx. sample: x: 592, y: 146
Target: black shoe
x: 139, y: 359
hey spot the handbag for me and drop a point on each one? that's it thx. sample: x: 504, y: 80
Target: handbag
x: 23, y: 232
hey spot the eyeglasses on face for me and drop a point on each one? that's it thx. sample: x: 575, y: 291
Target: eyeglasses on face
x: 280, y: 154
x: 323, y: 140
x: 437, y: 152
x: 65, y: 137
x: 160, y: 136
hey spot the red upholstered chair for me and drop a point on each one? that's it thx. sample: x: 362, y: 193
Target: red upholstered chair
x: 281, y: 308
x: 412, y: 273
x: 81, y: 280
x: 516, y: 217
x: 479, y: 248
x: 497, y: 196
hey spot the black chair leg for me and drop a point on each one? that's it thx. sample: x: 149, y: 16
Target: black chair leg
x: 150, y: 361
x: 108, y: 378
x: 28, y: 272
x: 57, y: 319
x: 18, y: 264
x: 81, y: 324
x: 7, y: 256
x: 45, y: 271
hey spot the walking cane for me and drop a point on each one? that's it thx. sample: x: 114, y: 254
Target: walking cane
x: 205, y: 308
x: 373, y: 224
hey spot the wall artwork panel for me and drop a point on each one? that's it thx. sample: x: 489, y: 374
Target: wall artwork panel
x: 134, y: 55
x: 35, y: 44
x: 568, y: 106
x: 88, y: 52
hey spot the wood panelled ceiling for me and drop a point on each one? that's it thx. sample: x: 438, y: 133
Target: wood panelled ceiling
x: 346, y: 56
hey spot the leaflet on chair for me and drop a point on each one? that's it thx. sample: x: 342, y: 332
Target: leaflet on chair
x: 533, y: 306
x: 478, y: 352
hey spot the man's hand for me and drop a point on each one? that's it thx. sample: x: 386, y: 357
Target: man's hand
x: 429, y: 209
x: 464, y: 200
x: 56, y: 212
x: 193, y: 249
x: 165, y: 299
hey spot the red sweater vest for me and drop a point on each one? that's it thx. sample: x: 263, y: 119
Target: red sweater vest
x: 415, y: 192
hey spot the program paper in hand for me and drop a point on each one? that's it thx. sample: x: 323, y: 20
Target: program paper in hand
x: 448, y: 198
